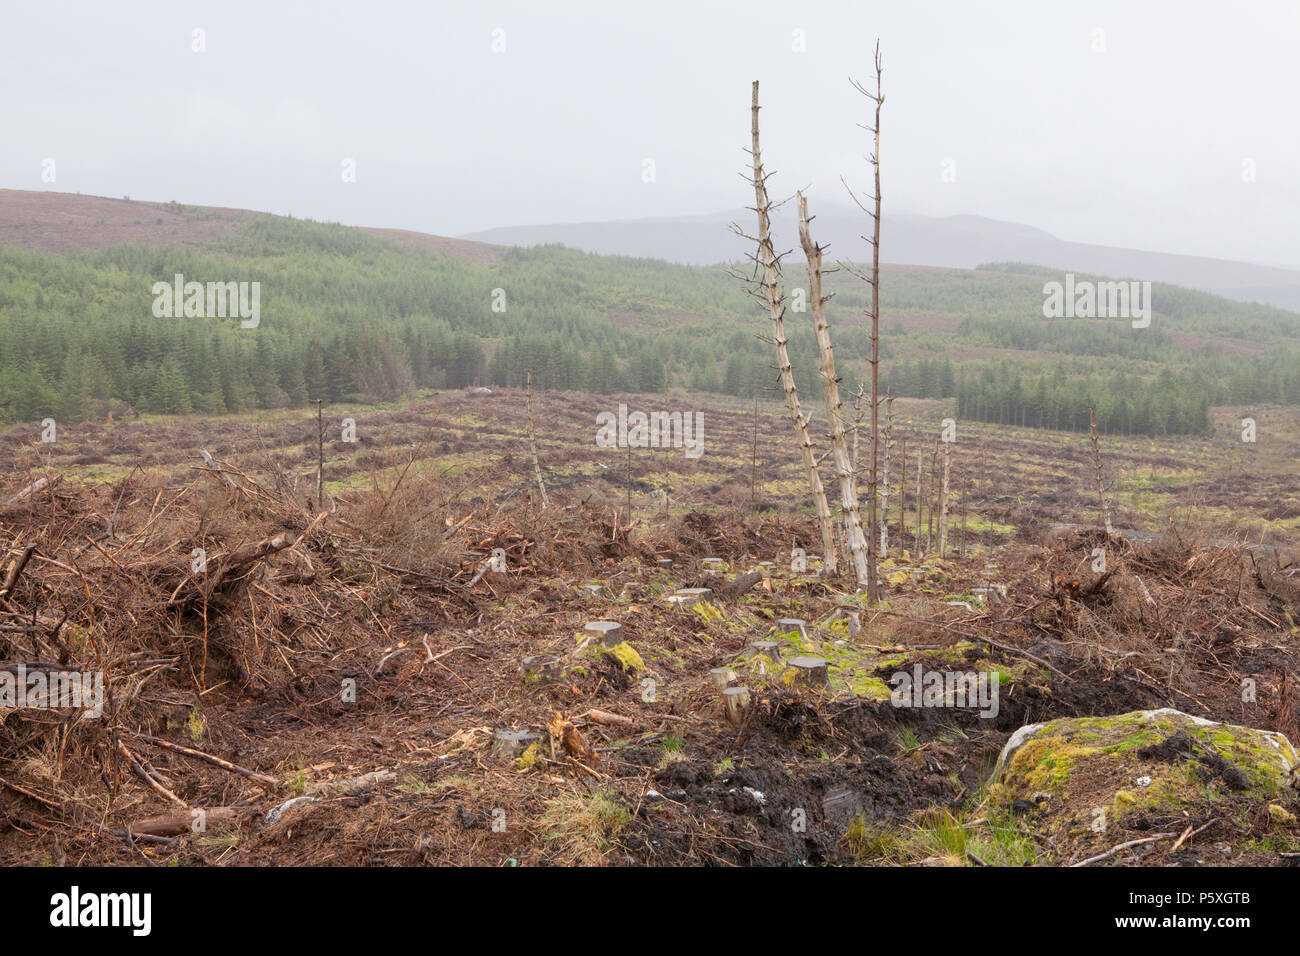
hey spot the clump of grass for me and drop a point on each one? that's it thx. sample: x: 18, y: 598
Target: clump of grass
x: 873, y: 841
x: 938, y: 833
x: 585, y: 828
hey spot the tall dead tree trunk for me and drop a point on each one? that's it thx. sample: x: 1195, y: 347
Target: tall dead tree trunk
x: 768, y: 265
x: 873, y: 488
x: 943, y: 500
x: 856, y: 541
x: 884, y: 483
x: 920, y: 499
x: 902, y: 492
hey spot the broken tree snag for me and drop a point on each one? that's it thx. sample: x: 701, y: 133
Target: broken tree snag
x: 735, y: 703
x: 796, y: 625
x: 509, y: 744
x: 813, y: 671
x: 722, y: 677
x: 608, y: 633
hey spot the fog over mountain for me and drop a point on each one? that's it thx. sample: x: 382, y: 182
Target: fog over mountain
x: 962, y: 241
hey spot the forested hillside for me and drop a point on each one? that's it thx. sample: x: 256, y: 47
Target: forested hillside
x: 347, y: 316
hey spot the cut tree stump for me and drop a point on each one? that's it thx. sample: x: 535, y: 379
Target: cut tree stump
x: 788, y: 625
x: 735, y: 703
x: 685, y: 597
x: 813, y: 671
x: 722, y: 677
x: 608, y: 633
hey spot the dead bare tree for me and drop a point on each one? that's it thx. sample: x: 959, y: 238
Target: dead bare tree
x: 1102, y: 500
x: 856, y: 542
x: 874, y: 281
x: 884, y: 484
x: 766, y: 288
x: 902, y: 492
x: 857, y: 425
x: 920, y: 499
x: 532, y: 445
x: 943, y: 499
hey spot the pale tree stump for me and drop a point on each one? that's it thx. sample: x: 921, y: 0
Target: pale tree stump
x: 735, y: 704
x: 792, y: 624
x: 688, y: 596
x: 608, y: 633
x: 812, y: 671
x: 722, y: 677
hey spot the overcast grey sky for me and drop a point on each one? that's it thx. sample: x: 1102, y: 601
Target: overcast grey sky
x: 1143, y: 144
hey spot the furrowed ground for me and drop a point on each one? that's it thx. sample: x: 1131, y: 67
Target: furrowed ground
x: 354, y: 664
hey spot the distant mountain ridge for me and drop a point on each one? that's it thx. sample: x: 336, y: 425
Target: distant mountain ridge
x: 958, y: 242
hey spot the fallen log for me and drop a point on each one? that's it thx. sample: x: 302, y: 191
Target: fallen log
x: 733, y: 589
x: 40, y: 484
x: 605, y: 717
x: 181, y: 821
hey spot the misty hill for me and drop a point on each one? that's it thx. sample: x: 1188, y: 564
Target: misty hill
x: 354, y: 315
x: 959, y: 242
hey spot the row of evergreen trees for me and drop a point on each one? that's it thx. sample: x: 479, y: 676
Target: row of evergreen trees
x: 1169, y: 404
